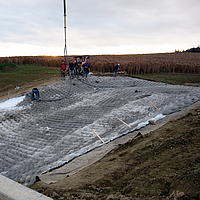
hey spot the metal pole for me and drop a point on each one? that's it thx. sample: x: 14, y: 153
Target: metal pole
x: 65, y: 30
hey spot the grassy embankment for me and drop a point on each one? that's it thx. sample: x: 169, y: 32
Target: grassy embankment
x: 24, y: 77
x: 172, y: 78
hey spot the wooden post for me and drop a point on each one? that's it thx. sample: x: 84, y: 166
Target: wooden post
x: 8, y: 95
x: 155, y: 106
x: 123, y: 122
x: 97, y: 135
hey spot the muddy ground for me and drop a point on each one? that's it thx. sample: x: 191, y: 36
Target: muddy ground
x: 163, y: 164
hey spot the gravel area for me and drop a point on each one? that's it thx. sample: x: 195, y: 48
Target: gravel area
x: 37, y: 137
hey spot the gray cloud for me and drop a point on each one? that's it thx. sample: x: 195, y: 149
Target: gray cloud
x: 30, y: 22
x: 133, y: 19
x: 101, y: 24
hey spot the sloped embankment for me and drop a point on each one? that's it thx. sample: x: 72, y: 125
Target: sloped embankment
x: 164, y: 164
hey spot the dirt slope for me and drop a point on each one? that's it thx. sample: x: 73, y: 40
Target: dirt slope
x: 11, y: 91
x: 164, y: 164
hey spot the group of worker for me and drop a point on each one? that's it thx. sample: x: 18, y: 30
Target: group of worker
x: 74, y: 69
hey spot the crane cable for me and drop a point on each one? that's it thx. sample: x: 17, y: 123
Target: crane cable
x: 65, y: 32
x: 65, y: 51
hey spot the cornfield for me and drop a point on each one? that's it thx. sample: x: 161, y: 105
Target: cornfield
x: 132, y: 64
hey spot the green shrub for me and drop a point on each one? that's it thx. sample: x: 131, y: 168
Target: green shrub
x: 7, y: 67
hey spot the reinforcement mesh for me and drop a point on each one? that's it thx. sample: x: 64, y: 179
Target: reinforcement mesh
x: 38, y: 136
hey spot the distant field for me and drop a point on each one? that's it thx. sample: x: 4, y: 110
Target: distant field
x: 148, y: 63
x: 26, y: 74
x: 131, y: 64
x: 173, y: 68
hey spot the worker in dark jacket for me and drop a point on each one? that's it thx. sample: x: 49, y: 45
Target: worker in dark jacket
x: 116, y: 67
x: 86, y: 67
x: 71, y: 69
x: 34, y: 92
x: 76, y: 69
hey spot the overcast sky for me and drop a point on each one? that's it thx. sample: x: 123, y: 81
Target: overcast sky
x: 98, y: 26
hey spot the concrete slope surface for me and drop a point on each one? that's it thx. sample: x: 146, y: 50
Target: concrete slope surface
x: 36, y: 137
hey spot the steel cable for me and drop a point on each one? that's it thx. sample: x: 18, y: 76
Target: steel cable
x: 49, y: 100
x: 100, y: 86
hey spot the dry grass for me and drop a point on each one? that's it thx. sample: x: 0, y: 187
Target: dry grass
x: 131, y: 64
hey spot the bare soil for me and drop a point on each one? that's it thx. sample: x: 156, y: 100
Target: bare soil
x: 12, y: 91
x: 163, y: 164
